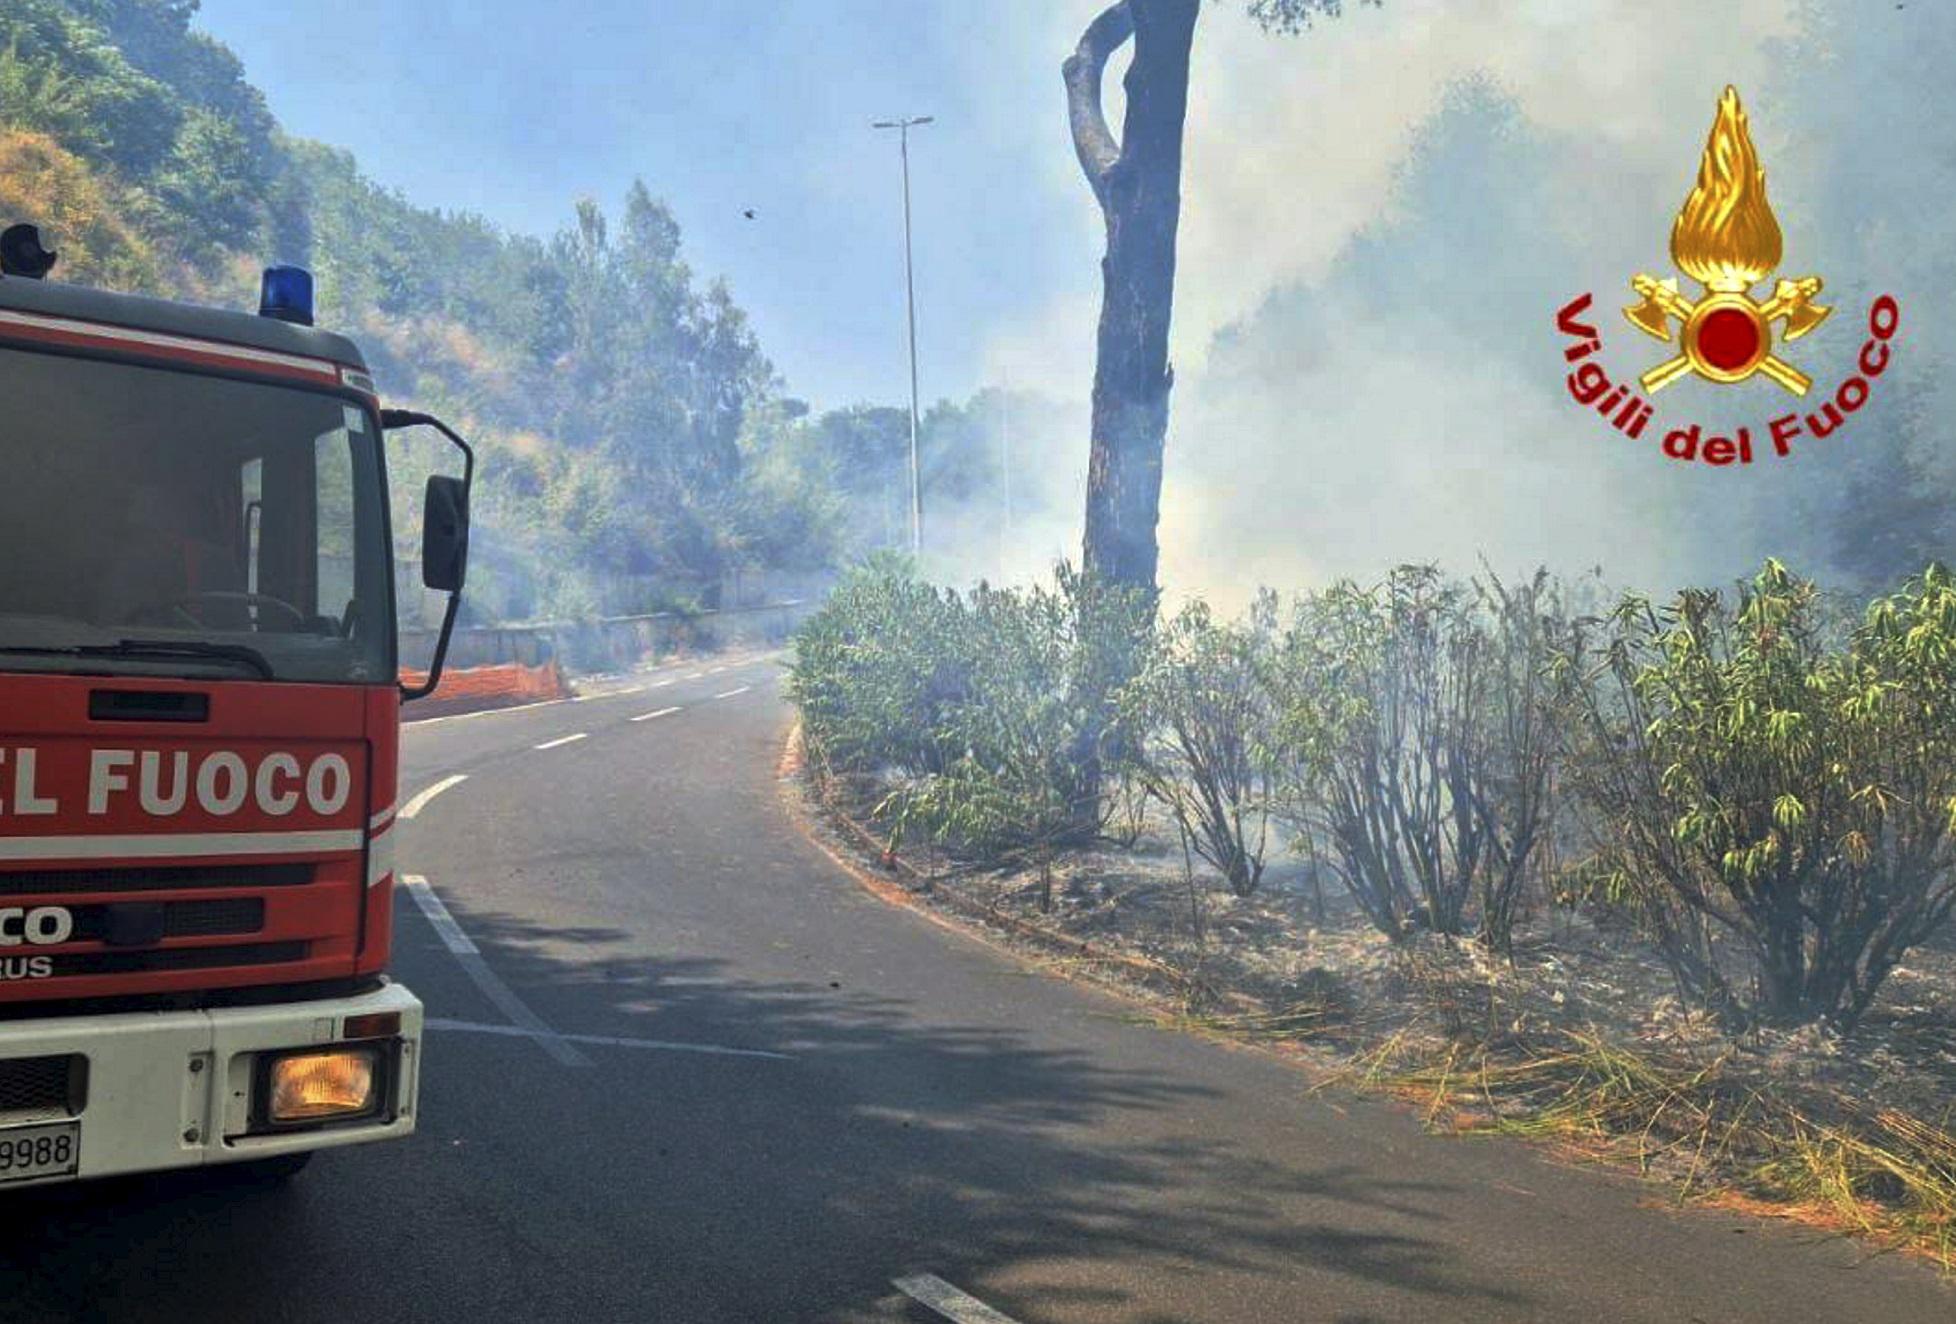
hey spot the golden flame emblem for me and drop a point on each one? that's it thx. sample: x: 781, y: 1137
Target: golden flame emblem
x: 1727, y: 239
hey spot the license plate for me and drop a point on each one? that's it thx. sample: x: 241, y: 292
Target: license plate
x: 28, y: 1152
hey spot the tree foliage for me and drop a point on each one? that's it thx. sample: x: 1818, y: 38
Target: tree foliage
x: 1294, y: 16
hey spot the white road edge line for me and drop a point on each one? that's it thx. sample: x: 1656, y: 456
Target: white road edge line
x: 731, y: 693
x: 459, y: 944
x: 409, y: 724
x: 444, y: 923
x: 420, y: 802
x: 561, y: 741
x: 948, y: 1301
x: 605, y: 1040
x: 663, y: 712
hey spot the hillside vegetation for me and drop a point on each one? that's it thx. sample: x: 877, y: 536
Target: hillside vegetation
x: 638, y: 450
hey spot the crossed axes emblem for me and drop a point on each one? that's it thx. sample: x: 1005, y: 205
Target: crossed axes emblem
x: 1725, y: 336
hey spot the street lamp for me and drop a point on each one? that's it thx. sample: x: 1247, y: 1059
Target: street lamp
x: 903, y: 127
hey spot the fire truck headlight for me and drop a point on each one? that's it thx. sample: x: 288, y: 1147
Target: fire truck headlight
x: 315, y: 1087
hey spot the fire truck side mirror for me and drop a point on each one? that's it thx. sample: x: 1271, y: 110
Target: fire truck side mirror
x: 445, y: 534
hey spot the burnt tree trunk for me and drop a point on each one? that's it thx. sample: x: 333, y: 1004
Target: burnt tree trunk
x: 1138, y: 183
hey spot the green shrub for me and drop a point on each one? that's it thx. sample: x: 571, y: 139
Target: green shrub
x: 1031, y: 726
x: 1199, y: 721
x: 984, y: 706
x: 1773, y: 803
x: 1411, y: 748
x: 877, y: 669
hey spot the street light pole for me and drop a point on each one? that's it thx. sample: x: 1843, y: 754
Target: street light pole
x: 903, y: 127
x: 1005, y: 481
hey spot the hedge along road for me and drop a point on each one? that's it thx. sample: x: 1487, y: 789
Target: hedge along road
x: 720, y: 1082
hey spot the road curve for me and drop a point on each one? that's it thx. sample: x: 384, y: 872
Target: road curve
x: 683, y: 1069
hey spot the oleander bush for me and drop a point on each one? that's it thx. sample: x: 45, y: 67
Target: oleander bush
x: 1773, y: 802
x: 985, y: 712
x: 1199, y: 723
x: 1413, y: 748
x: 878, y: 670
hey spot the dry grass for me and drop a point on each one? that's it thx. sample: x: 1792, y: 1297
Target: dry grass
x: 1711, y: 1126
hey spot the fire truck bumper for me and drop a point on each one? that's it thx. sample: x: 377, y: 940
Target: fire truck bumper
x: 147, y: 1091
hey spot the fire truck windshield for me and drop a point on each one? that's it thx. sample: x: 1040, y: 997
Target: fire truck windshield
x: 168, y: 523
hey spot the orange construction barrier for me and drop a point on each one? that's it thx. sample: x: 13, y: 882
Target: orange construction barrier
x: 466, y: 689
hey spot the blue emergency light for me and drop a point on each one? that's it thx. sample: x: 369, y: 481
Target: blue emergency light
x: 286, y: 294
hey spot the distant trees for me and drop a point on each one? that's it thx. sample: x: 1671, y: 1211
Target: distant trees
x: 125, y: 84
x: 634, y: 449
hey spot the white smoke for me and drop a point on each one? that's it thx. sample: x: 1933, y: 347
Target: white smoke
x: 1382, y: 216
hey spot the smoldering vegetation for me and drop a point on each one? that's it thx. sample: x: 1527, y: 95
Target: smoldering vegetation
x: 1671, y: 879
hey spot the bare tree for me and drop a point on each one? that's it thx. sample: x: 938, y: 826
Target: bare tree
x: 1138, y: 182
x: 1137, y: 179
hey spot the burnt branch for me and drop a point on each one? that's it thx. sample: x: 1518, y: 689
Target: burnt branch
x: 1093, y: 141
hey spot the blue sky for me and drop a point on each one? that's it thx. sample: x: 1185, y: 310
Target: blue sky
x: 512, y: 110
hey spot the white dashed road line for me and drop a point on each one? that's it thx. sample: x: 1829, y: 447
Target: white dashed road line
x: 420, y: 802
x: 524, y: 1021
x: 694, y: 675
x: 663, y: 712
x: 948, y: 1301
x: 661, y: 684
x: 731, y: 693
x: 561, y: 741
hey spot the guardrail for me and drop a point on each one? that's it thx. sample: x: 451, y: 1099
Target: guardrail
x: 613, y: 643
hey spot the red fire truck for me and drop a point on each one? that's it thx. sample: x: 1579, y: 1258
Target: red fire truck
x: 199, y: 732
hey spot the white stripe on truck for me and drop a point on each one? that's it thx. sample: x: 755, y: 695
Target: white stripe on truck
x: 178, y: 845
x: 380, y: 857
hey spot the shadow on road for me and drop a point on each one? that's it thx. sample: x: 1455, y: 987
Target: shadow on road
x: 728, y: 1188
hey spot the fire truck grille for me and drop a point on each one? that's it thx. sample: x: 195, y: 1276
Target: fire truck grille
x: 44, y: 1085
x: 211, y: 919
x: 141, y: 923
x: 32, y: 882
x: 179, y: 958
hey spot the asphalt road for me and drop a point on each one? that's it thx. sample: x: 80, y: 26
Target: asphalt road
x: 691, y: 1072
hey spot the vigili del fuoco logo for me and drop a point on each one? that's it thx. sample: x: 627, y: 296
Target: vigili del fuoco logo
x: 1728, y: 241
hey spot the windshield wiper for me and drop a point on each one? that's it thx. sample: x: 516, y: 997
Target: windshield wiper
x: 161, y: 648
